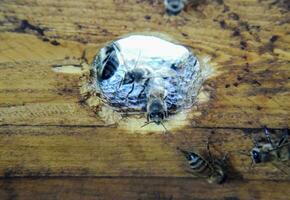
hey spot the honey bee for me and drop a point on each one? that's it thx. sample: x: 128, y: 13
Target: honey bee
x: 107, y: 62
x: 212, y: 169
x: 271, y: 151
x: 156, y: 106
x: 142, y: 75
x: 138, y: 75
x: 174, y: 7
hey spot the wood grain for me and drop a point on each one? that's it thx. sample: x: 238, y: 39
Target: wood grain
x: 47, y: 131
x: 79, y: 151
x: 138, y: 188
x: 252, y: 88
x: 30, y: 89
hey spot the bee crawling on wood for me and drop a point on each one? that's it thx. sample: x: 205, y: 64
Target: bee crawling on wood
x: 270, y: 151
x: 212, y: 169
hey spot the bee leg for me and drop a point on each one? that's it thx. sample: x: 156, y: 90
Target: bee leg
x: 121, y: 83
x: 133, y: 85
x: 284, y: 138
x: 279, y: 167
x: 144, y: 87
x: 209, y: 152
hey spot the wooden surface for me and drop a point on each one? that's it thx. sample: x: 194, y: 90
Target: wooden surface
x: 138, y: 188
x: 46, y: 131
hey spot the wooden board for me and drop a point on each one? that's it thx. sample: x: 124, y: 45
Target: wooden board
x: 31, y: 90
x: 139, y: 188
x: 79, y: 151
x: 46, y: 130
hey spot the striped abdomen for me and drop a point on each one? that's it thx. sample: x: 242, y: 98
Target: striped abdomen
x: 108, y: 62
x: 198, y: 164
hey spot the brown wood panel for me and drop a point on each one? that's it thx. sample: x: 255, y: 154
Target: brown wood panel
x: 78, y: 151
x: 46, y: 132
x: 32, y: 93
x: 248, y: 50
x: 139, y: 188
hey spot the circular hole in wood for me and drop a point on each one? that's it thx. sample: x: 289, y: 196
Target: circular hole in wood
x: 147, y: 74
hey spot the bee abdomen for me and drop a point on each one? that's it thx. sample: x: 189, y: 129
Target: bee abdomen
x: 111, y: 64
x: 199, y: 165
x: 108, y: 63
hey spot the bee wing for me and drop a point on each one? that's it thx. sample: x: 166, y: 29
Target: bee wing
x: 163, y: 73
x: 116, y: 46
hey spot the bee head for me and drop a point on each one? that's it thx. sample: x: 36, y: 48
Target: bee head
x: 256, y: 155
x: 129, y: 78
x: 134, y: 75
x: 173, y: 7
x: 156, y: 112
x: 217, y: 178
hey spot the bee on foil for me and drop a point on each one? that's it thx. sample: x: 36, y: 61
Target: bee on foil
x: 107, y: 62
x: 137, y: 75
x: 142, y: 75
x: 212, y: 169
x: 156, y: 110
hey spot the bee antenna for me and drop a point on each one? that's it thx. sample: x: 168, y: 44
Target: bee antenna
x: 137, y: 59
x: 121, y: 81
x: 121, y: 54
x: 279, y: 147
